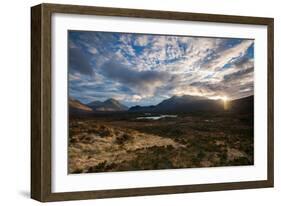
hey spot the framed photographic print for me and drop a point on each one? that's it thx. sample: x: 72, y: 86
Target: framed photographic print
x: 132, y: 102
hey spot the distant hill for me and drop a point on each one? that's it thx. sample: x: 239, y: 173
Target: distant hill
x: 110, y: 105
x: 138, y: 108
x: 76, y: 107
x: 242, y: 105
x: 185, y: 103
x: 95, y: 104
x: 188, y: 103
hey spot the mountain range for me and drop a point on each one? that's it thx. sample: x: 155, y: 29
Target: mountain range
x: 185, y: 103
x: 110, y: 105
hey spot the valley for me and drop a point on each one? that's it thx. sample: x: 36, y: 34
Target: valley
x: 122, y: 141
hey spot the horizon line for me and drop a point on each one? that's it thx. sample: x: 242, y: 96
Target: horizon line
x: 120, y: 101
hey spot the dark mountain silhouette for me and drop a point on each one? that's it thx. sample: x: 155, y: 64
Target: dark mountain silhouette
x: 95, y: 104
x: 185, y: 103
x: 138, y: 108
x: 110, y: 105
x: 76, y: 107
x: 188, y: 103
x: 175, y: 104
x: 243, y: 105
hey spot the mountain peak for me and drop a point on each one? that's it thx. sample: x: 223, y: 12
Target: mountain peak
x: 111, y: 100
x: 108, y: 105
x: 175, y: 100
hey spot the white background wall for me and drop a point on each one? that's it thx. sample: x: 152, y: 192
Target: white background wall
x: 15, y: 102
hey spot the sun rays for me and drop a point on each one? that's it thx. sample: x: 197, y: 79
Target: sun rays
x: 225, y: 102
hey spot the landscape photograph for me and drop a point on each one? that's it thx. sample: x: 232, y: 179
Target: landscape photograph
x: 154, y: 102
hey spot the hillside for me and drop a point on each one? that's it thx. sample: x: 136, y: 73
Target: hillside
x: 76, y: 107
x: 187, y: 103
x: 110, y: 105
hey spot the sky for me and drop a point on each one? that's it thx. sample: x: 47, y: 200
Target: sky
x: 144, y: 69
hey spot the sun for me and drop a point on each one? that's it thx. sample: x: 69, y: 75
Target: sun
x: 224, y: 98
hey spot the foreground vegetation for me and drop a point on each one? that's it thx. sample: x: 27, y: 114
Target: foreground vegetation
x: 121, y: 142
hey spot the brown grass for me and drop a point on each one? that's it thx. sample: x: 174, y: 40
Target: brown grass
x: 122, y: 143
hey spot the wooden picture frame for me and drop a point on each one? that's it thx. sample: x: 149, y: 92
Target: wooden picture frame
x: 41, y: 116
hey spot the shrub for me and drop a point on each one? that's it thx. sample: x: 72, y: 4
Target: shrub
x: 123, y: 138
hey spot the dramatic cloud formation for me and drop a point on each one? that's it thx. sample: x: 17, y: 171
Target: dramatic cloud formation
x: 144, y: 81
x: 145, y: 69
x: 79, y: 62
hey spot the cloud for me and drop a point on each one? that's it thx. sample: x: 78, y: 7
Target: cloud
x: 229, y: 54
x: 93, y: 50
x: 235, y: 82
x: 141, y: 40
x: 79, y: 62
x: 142, y: 81
x: 145, y: 68
x: 237, y: 75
